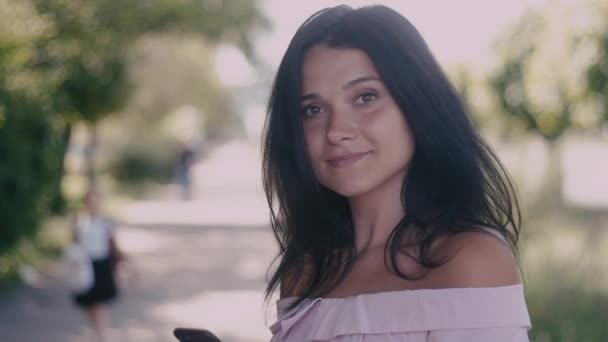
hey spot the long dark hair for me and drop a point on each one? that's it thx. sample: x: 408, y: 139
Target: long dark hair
x: 455, y: 182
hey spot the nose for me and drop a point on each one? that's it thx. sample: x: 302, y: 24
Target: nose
x: 341, y: 126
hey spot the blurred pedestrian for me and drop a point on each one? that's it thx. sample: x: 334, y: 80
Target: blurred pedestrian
x: 94, y: 237
x: 183, y: 174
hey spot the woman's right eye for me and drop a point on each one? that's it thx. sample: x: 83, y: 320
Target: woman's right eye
x: 311, y: 111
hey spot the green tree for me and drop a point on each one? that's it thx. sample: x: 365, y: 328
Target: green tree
x: 63, y: 62
x: 30, y: 138
x: 551, y: 76
x: 552, y: 68
x: 597, y: 71
x: 552, y: 81
x: 99, y: 35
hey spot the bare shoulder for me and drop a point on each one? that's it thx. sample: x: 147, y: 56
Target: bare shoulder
x: 475, y: 259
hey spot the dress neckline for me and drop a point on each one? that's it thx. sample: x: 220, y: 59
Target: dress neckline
x: 402, y: 291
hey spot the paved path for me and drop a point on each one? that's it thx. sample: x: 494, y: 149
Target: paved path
x: 200, y: 264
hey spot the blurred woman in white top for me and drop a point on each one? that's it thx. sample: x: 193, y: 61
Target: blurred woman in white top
x: 94, y: 233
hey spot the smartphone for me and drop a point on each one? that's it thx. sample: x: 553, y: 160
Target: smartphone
x: 194, y: 335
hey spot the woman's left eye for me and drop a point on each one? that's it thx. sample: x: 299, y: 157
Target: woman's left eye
x: 366, y: 98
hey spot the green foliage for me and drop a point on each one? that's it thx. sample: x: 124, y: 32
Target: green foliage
x: 568, y: 315
x: 564, y: 263
x: 512, y: 84
x: 552, y: 72
x: 138, y: 165
x: 38, y: 251
x: 63, y: 62
x: 171, y: 71
x: 551, y: 79
x: 30, y: 166
x: 96, y: 90
x: 92, y: 39
x: 597, y: 72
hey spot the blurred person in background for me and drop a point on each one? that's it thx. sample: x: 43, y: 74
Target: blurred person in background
x: 94, y: 234
x: 395, y: 220
x: 183, y: 167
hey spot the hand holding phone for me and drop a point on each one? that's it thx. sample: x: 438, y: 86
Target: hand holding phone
x: 194, y: 335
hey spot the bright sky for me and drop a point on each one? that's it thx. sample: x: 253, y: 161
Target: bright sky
x: 457, y: 31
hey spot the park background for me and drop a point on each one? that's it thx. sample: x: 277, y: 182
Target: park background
x: 109, y: 92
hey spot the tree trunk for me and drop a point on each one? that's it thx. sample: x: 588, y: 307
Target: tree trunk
x: 89, y: 156
x: 58, y: 203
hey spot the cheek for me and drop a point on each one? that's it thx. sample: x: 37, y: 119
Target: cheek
x: 406, y: 141
x: 392, y: 130
x: 314, y: 145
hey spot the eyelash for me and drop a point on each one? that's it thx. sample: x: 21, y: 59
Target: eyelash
x: 368, y: 93
x: 305, y: 110
x: 306, y: 114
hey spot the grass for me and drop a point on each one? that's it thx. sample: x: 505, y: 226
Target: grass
x: 565, y: 264
x: 568, y: 314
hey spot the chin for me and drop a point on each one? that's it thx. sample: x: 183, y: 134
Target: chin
x: 348, y: 189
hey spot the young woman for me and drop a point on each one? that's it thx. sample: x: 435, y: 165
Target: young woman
x: 395, y: 220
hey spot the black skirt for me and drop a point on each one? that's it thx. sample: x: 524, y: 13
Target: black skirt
x: 104, y: 285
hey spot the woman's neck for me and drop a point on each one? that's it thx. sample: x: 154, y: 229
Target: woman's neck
x: 375, y: 214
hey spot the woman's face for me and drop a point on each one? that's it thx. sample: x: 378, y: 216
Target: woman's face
x: 357, y: 137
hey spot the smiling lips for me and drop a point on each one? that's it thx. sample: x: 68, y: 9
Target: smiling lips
x: 346, y: 160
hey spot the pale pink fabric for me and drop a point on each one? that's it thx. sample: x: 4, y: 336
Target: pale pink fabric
x: 496, y: 314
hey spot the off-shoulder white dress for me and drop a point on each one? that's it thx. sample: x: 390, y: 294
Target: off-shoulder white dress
x: 488, y: 314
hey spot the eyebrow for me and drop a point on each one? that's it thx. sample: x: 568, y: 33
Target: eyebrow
x: 360, y: 80
x: 346, y: 86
